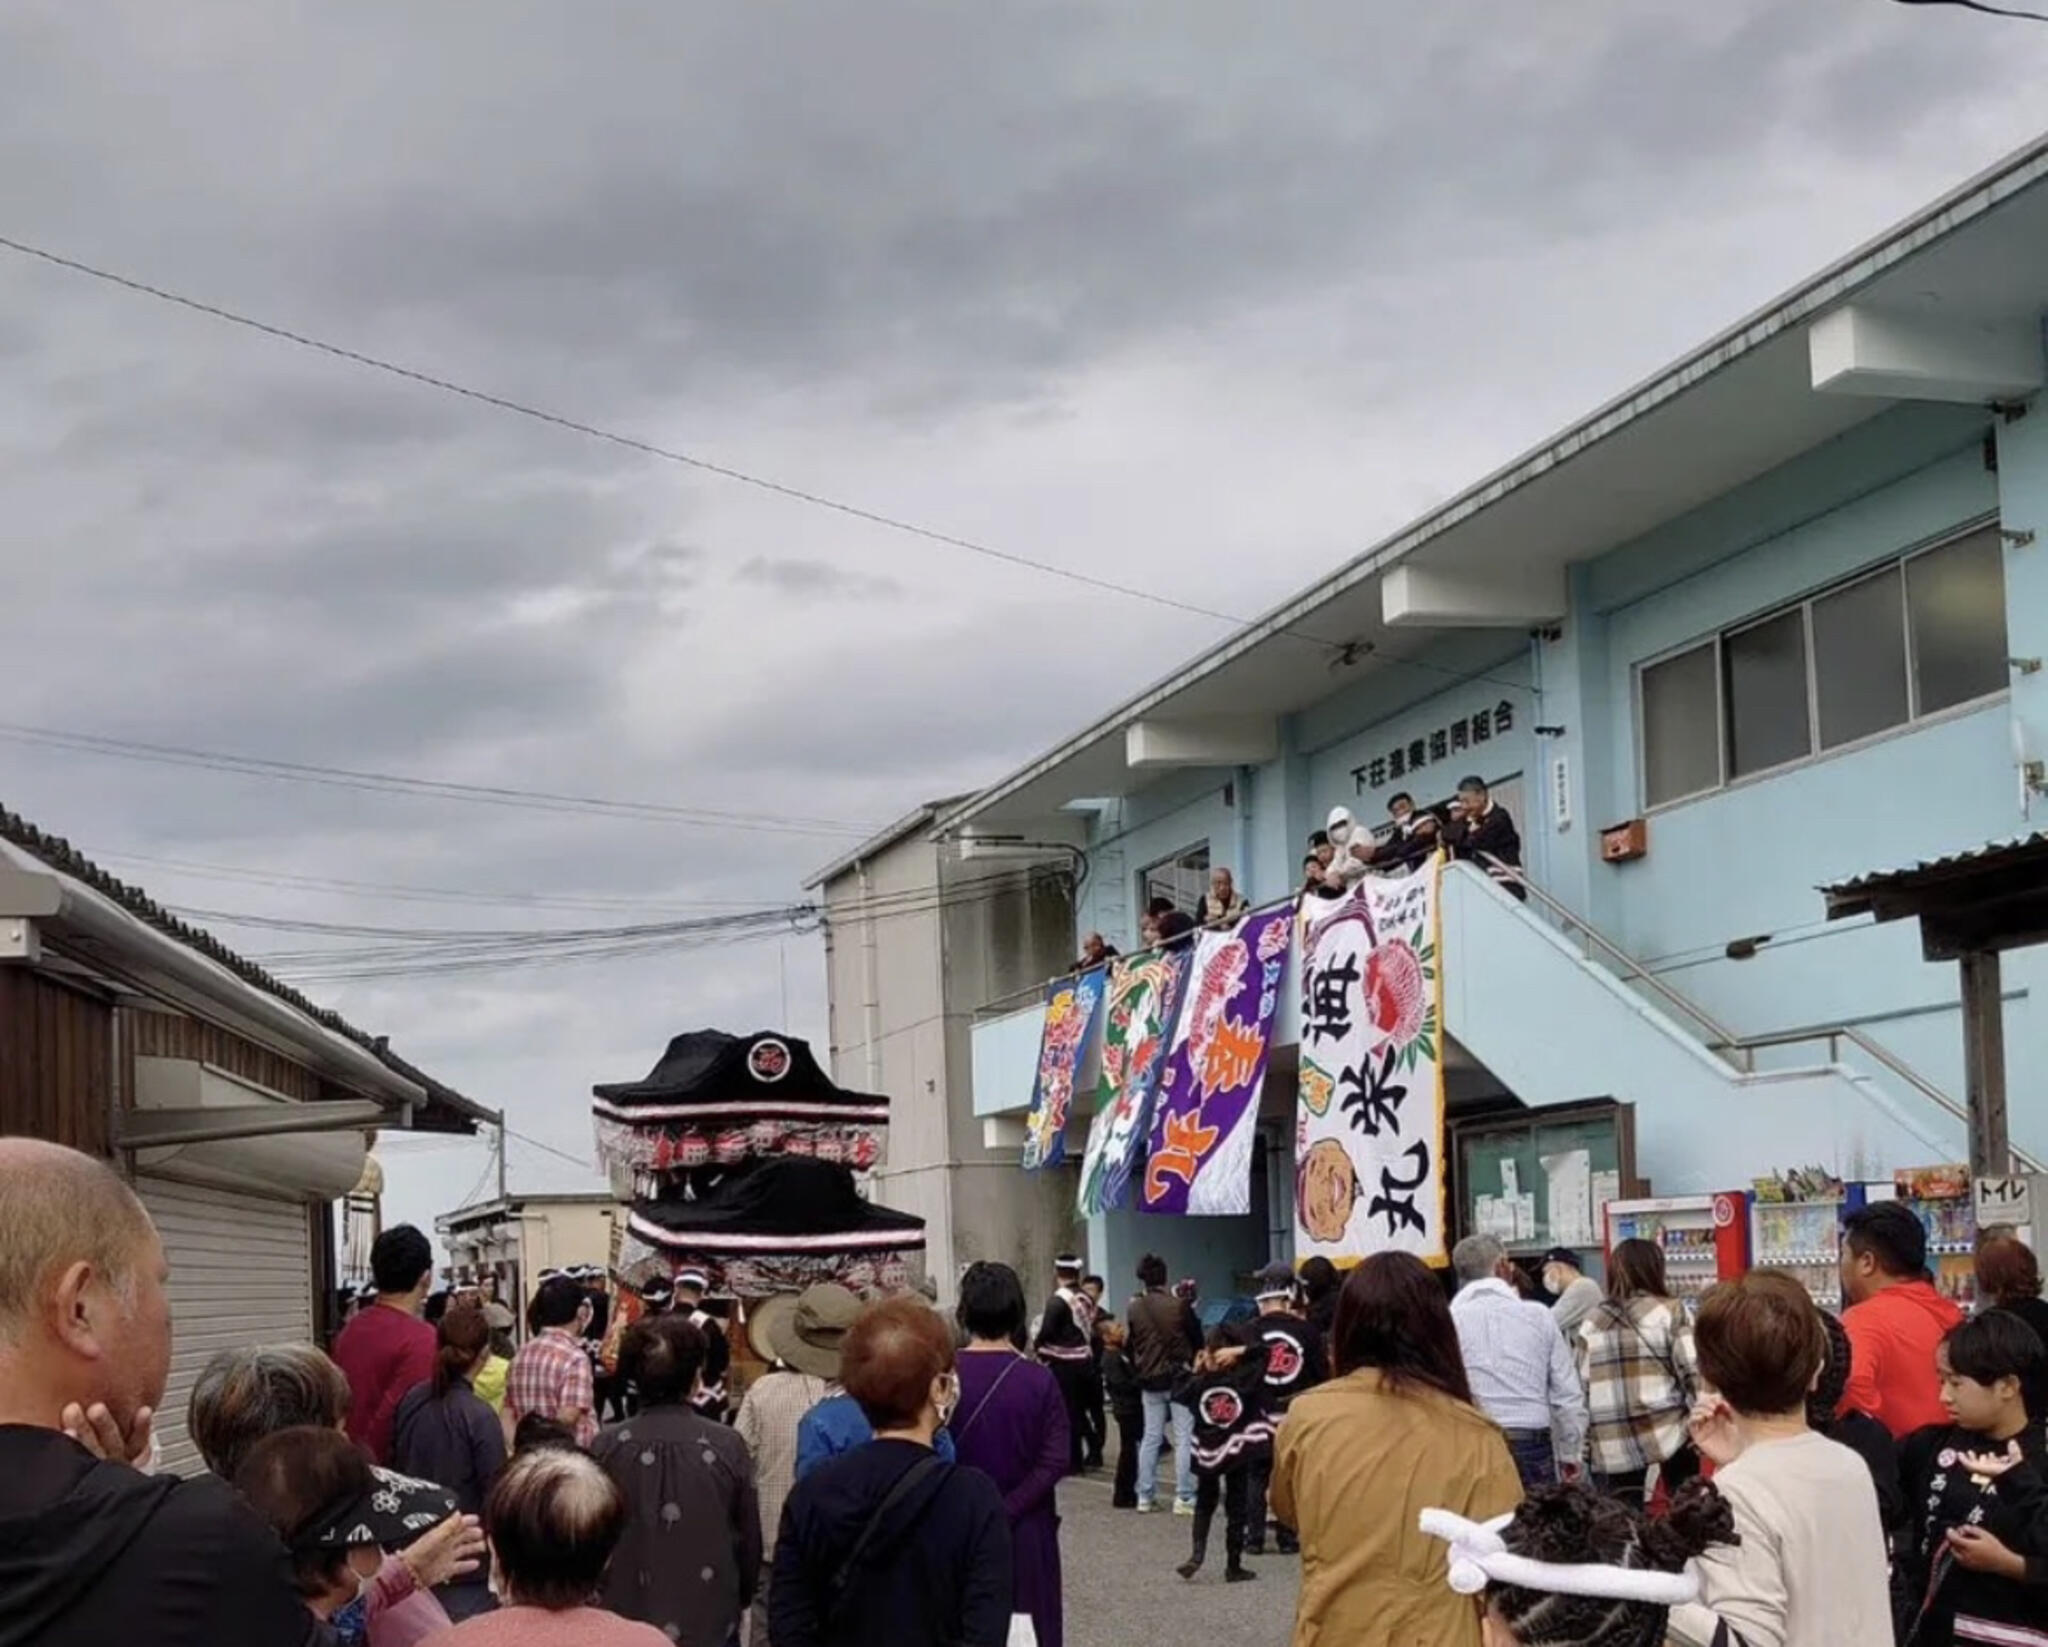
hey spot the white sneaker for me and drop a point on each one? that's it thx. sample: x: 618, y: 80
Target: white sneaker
x: 1182, y: 1507
x: 1147, y: 1507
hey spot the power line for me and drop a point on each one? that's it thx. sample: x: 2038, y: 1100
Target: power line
x: 434, y: 951
x: 573, y: 1160
x: 339, y: 777
x: 797, y: 494
x: 1980, y: 5
x: 405, y: 893
x: 1345, y: 651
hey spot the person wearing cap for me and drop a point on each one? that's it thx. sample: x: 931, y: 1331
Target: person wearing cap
x: 801, y: 1335
x: 1066, y: 1346
x: 1294, y: 1362
x: 836, y: 1424
x: 1578, y: 1294
x: 489, y: 1382
x: 1480, y: 829
x: 711, y: 1400
x: 337, y: 1514
x: 244, y: 1396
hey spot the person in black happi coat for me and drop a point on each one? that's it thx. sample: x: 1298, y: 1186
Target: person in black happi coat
x: 1294, y: 1362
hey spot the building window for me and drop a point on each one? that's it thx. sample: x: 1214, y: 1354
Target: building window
x: 1918, y: 637
x: 1956, y: 595
x: 1181, y: 880
x: 1682, y: 724
x: 1859, y: 659
x: 1769, y: 718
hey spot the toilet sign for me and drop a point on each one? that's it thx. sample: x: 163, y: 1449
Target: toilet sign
x: 2008, y: 1201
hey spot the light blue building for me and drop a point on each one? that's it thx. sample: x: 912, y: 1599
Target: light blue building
x: 1785, y: 603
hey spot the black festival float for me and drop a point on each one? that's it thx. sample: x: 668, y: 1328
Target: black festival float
x: 741, y: 1154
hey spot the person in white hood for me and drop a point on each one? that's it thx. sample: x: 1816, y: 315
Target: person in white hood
x: 1354, y: 849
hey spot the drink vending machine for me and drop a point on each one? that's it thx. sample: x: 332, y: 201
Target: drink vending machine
x: 1704, y: 1238
x: 1796, y: 1226
x: 1944, y: 1200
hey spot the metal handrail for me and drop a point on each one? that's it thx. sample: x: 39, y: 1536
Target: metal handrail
x: 1719, y: 1038
x: 1879, y: 1053
x: 1726, y: 1042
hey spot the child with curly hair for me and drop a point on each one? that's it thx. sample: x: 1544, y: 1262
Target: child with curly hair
x: 1575, y: 1568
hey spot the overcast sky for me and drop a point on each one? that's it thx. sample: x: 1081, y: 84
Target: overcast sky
x: 1197, y: 296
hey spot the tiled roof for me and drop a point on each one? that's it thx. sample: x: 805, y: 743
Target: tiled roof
x: 60, y: 855
x: 1991, y: 855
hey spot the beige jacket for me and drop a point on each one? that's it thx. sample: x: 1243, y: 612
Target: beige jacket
x: 1353, y: 1470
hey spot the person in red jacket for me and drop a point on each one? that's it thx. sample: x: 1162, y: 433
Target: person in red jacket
x: 1895, y: 1319
x: 386, y: 1349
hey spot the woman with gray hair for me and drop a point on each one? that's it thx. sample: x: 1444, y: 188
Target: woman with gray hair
x: 554, y: 1519
x: 244, y: 1396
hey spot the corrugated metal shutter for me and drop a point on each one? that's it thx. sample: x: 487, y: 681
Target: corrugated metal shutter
x: 241, y: 1273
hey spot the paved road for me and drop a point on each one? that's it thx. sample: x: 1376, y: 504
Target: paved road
x: 1122, y: 1590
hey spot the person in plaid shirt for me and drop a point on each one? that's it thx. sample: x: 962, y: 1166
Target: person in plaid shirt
x: 551, y: 1373
x: 1636, y: 1355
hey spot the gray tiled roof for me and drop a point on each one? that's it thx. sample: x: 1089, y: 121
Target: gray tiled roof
x: 59, y: 854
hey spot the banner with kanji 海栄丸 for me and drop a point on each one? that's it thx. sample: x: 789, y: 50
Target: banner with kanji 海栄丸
x: 1206, y: 1117
x: 1369, y: 1168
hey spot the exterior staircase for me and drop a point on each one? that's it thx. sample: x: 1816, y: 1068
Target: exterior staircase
x: 1557, y: 1012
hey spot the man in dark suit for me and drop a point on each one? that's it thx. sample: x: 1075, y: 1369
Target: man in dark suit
x: 1482, y: 831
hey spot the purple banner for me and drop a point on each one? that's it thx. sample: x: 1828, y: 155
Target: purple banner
x: 1070, y: 1008
x: 1207, y: 1116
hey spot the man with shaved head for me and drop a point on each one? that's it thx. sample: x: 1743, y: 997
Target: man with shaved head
x: 93, y: 1551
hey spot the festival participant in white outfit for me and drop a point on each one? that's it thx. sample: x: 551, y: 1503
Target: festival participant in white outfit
x: 1066, y: 1345
x: 711, y: 1400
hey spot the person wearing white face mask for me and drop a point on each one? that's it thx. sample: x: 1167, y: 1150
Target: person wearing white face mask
x: 336, y: 1515
x: 888, y: 1545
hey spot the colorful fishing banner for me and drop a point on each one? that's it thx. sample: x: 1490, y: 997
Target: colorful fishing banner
x: 1206, y: 1118
x: 1070, y: 1008
x: 1144, y: 995
x: 1369, y: 1136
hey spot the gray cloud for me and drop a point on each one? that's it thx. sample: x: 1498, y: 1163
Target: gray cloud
x: 802, y: 579
x: 1153, y: 290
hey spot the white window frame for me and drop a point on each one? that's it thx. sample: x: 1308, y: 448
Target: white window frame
x: 1915, y: 720
x: 1145, y: 872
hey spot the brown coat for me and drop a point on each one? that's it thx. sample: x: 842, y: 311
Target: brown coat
x: 1354, y: 1468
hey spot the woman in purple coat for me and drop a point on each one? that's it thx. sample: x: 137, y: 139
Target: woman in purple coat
x: 1012, y: 1424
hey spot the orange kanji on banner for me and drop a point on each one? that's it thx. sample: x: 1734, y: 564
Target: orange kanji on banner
x: 1230, y: 1058
x: 1187, y: 1141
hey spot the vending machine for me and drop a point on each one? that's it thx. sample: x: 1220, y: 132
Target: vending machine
x: 1944, y: 1199
x: 1705, y: 1238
